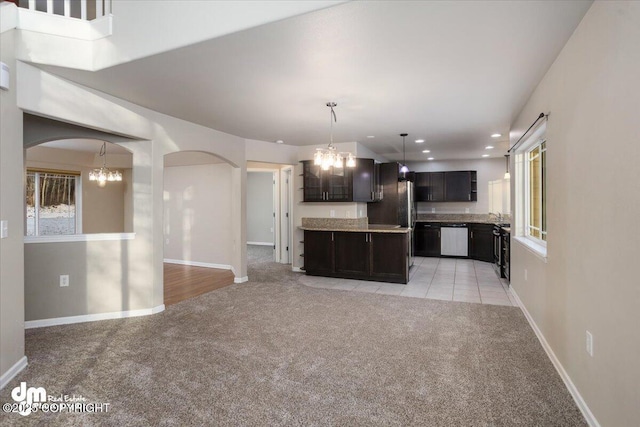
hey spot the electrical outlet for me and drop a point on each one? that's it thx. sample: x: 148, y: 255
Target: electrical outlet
x: 348, y: 214
x: 272, y: 229
x: 589, y: 343
x: 64, y: 280
x: 433, y: 210
x: 4, y: 229
x: 466, y: 210
x: 525, y: 274
x: 360, y: 214
x: 332, y: 213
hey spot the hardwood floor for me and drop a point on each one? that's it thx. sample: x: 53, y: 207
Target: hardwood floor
x: 182, y: 282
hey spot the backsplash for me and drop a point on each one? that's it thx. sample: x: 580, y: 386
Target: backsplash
x: 335, y: 222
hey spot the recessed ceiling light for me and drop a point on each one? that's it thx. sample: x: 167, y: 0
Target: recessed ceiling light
x: 419, y: 141
x: 496, y: 135
x: 279, y: 141
x: 489, y: 147
x: 485, y: 155
x: 430, y: 158
x: 370, y: 136
x: 426, y: 151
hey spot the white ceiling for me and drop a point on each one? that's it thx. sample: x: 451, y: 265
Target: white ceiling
x: 450, y: 72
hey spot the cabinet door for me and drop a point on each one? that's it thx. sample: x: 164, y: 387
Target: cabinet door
x: 364, y: 181
x: 318, y: 252
x: 457, y: 186
x: 481, y: 242
x: 389, y: 254
x: 351, y: 249
x: 312, y: 182
x: 436, y: 186
x: 422, y: 187
x: 427, y: 239
x: 338, y: 184
x: 432, y: 241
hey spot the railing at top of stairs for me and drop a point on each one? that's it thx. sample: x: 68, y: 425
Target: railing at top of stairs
x: 86, y: 10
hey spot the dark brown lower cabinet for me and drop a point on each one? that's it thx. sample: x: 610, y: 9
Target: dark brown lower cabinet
x: 481, y: 242
x: 349, y: 249
x: 375, y: 256
x: 427, y: 239
x: 389, y: 254
x: 318, y: 251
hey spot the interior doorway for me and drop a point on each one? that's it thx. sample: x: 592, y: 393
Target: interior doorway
x: 269, y: 214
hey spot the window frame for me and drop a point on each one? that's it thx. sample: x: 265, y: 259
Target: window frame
x: 523, y: 191
x: 78, y: 201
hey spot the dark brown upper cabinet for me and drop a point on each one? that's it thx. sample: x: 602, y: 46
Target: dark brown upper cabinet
x: 429, y: 186
x: 344, y: 184
x: 453, y: 186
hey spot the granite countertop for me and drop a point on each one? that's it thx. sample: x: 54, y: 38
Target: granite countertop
x: 370, y: 228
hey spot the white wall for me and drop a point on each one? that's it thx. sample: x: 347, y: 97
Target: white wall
x: 197, y: 213
x: 12, y: 355
x: 590, y: 280
x: 260, y: 207
x: 488, y: 169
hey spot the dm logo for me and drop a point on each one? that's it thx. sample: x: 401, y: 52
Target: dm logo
x: 28, y: 397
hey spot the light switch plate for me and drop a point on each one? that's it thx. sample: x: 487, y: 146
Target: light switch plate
x: 4, y: 229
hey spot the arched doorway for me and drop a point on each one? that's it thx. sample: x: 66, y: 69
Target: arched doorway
x: 198, y: 241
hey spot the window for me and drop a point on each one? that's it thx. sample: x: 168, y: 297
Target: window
x: 52, y: 203
x: 531, y: 191
x: 536, y: 215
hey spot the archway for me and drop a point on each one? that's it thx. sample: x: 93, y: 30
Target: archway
x: 197, y: 229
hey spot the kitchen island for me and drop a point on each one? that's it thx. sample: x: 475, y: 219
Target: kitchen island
x: 354, y: 249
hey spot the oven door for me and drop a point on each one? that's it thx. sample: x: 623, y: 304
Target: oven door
x: 497, y: 251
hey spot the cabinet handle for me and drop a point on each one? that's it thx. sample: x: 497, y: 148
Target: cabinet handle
x: 469, y: 196
x: 332, y: 236
x: 366, y: 237
x: 438, y: 233
x: 472, y: 234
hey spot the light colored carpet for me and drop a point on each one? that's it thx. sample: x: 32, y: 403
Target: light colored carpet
x: 258, y: 254
x: 274, y: 352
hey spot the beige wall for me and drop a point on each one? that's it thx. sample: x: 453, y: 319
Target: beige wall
x: 11, y: 210
x: 488, y: 169
x: 197, y: 213
x: 590, y: 280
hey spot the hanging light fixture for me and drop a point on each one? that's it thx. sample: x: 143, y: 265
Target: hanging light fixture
x: 330, y: 157
x: 404, y: 168
x: 507, y: 175
x: 103, y: 174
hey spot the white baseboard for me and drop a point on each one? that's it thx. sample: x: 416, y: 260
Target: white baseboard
x: 577, y: 397
x: 13, y: 371
x: 241, y: 279
x: 198, y: 264
x: 261, y: 243
x: 92, y: 317
x: 296, y: 269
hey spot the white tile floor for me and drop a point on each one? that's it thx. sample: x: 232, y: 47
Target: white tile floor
x: 447, y: 279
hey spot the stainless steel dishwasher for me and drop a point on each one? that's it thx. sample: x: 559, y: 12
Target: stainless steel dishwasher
x: 454, y: 240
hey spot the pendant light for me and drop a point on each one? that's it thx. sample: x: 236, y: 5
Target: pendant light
x: 507, y: 175
x: 404, y: 168
x: 103, y: 174
x: 329, y: 157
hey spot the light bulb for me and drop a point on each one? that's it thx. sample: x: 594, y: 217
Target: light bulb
x: 338, y: 162
x: 507, y: 175
x: 404, y: 169
x: 351, y: 161
x: 317, y: 158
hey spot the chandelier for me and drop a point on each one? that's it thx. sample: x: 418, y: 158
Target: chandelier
x: 330, y: 157
x: 103, y: 174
